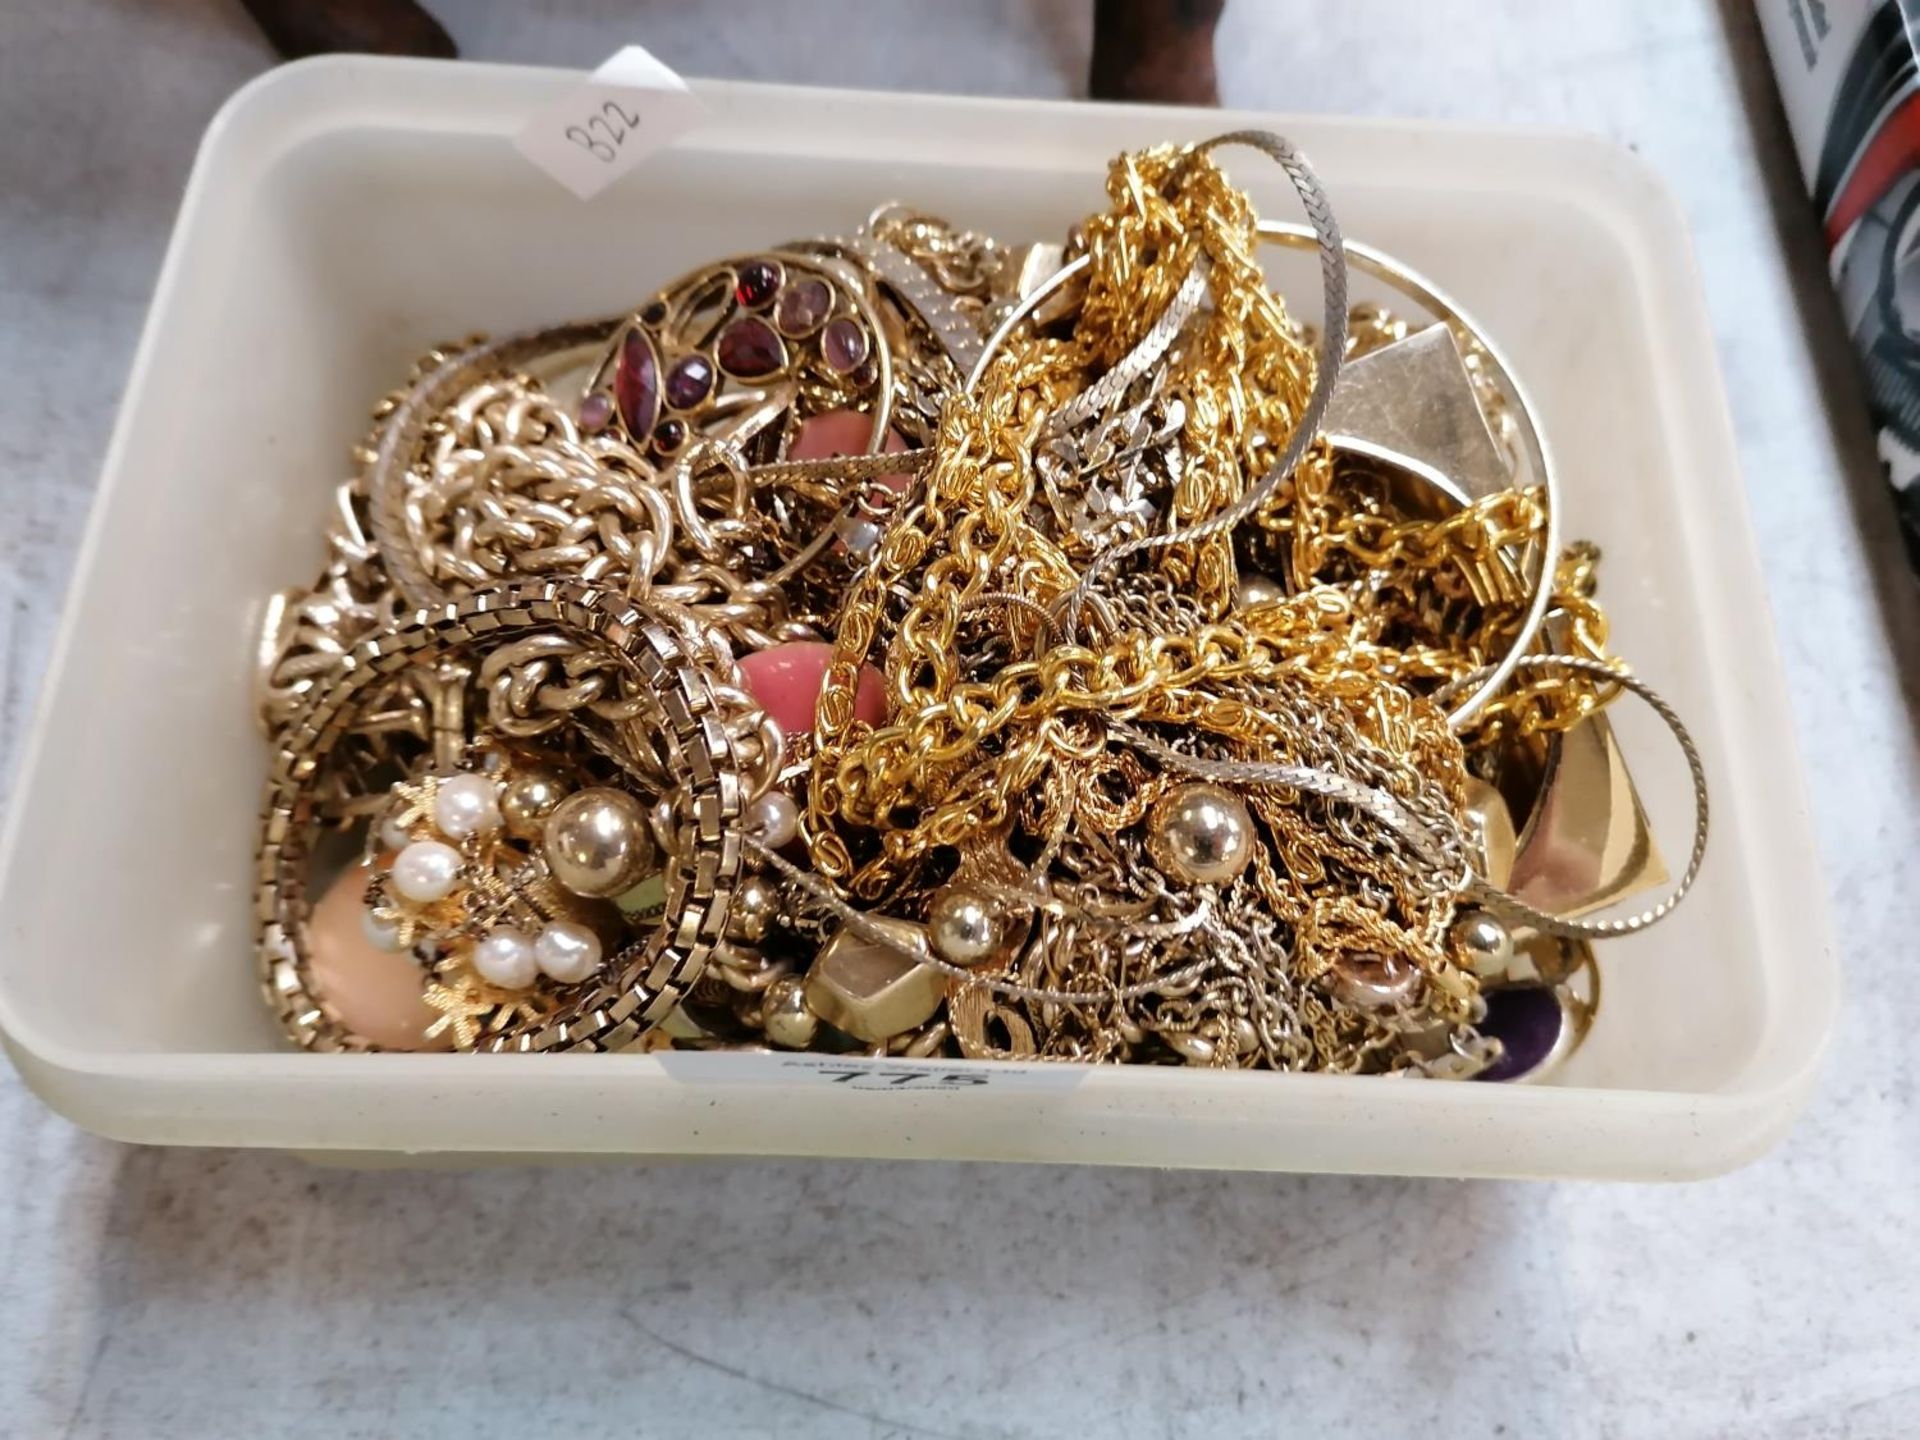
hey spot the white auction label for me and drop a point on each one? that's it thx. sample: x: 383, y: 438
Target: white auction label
x: 858, y: 1072
x: 598, y: 131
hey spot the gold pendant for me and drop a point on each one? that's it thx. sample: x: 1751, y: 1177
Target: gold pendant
x: 1410, y: 407
x: 1586, y: 843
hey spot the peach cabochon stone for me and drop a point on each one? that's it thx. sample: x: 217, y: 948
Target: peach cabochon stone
x: 377, y: 993
x: 786, y: 680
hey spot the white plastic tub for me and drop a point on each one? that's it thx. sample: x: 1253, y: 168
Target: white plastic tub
x: 343, y: 215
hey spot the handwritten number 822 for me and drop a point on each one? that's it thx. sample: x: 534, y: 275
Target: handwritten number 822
x: 603, y: 134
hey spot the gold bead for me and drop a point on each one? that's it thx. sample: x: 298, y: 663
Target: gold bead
x: 873, y: 992
x: 785, y: 1016
x: 597, y: 842
x: 1369, y: 980
x: 1201, y: 833
x: 756, y: 901
x: 527, y: 799
x: 969, y: 928
x: 1253, y: 588
x: 1484, y: 944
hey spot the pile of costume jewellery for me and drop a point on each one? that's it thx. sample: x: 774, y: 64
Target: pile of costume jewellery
x: 915, y: 644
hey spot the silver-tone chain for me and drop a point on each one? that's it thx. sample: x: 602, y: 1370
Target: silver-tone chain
x: 1111, y: 388
x: 951, y: 326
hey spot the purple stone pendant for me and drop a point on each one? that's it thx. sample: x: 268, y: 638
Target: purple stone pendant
x: 755, y: 282
x: 636, y: 383
x: 669, y: 436
x: 689, y: 382
x: 693, y: 347
x: 748, y: 349
x: 596, y: 412
x: 1528, y: 1021
x: 803, y: 307
x: 844, y: 344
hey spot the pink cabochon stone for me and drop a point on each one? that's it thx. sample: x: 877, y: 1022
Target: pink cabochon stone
x: 786, y: 680
x: 844, y: 432
x: 377, y: 993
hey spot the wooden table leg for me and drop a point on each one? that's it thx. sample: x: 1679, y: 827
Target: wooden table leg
x: 1155, y: 50
x: 369, y: 27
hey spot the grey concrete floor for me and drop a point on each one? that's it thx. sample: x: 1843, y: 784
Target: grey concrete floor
x: 147, y: 1292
